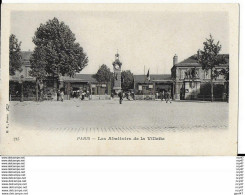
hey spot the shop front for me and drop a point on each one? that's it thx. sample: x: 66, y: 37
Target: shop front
x: 144, y: 91
x: 151, y: 89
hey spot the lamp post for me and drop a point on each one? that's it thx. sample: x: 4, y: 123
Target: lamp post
x: 21, y: 91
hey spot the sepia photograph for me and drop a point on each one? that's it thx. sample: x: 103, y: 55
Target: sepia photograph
x: 119, y: 79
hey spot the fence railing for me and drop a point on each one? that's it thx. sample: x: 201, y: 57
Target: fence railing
x: 25, y: 98
x: 136, y: 97
x: 144, y: 97
x: 208, y: 98
x: 50, y: 97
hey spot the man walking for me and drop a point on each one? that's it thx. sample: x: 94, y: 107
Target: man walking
x: 58, y: 95
x: 161, y: 95
x: 62, y: 96
x: 157, y: 95
x: 120, y: 95
x: 168, y: 97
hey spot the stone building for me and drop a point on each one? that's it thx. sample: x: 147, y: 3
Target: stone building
x: 148, y: 89
x: 192, y: 82
x: 22, y: 78
x: 22, y: 82
x: 188, y: 81
x: 86, y: 83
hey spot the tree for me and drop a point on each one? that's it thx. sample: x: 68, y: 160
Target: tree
x: 61, y: 54
x: 225, y: 72
x: 209, y: 59
x: 104, y: 74
x: 127, y: 80
x: 38, y: 65
x: 15, y: 59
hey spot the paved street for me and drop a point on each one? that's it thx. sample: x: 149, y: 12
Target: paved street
x: 109, y: 115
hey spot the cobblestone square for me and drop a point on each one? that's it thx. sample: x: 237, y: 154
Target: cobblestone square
x: 109, y: 115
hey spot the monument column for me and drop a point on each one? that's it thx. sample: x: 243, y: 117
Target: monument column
x: 117, y: 65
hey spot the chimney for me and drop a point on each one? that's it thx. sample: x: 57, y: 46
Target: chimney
x: 198, y: 54
x: 175, y: 59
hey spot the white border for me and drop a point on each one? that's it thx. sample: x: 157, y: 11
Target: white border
x: 241, y: 145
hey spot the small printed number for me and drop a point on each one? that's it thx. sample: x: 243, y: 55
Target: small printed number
x: 16, y: 139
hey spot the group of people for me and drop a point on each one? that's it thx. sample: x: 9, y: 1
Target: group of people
x: 60, y: 95
x: 80, y: 94
x: 128, y: 95
x: 164, y: 95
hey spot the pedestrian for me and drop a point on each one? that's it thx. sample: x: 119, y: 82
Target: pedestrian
x: 132, y: 95
x: 164, y: 94
x: 58, y: 95
x: 83, y: 95
x: 157, y: 95
x: 161, y: 95
x: 127, y: 95
x: 62, y: 96
x: 168, y: 97
x: 41, y: 95
x: 87, y: 94
x: 80, y: 93
x: 120, y: 94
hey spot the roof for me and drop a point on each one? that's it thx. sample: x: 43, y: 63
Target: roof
x: 80, y: 78
x: 26, y: 55
x: 153, y: 77
x: 17, y: 78
x: 77, y: 78
x: 192, y: 60
x: 88, y: 77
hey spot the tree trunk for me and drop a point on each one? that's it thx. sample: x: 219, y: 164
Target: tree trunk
x: 227, y: 91
x: 58, y: 83
x: 212, y: 86
x: 212, y: 91
x: 37, y: 90
x: 22, y: 91
x: 58, y: 78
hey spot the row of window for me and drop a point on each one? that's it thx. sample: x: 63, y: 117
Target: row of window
x: 207, y: 74
x: 25, y: 72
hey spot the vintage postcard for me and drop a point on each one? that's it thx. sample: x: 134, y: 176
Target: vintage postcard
x: 119, y: 79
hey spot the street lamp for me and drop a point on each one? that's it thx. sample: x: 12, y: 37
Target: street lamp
x: 21, y: 92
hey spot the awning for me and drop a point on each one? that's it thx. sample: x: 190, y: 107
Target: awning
x: 163, y: 81
x: 17, y: 79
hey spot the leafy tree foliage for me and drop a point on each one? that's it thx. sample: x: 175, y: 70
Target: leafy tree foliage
x: 104, y: 74
x: 38, y: 63
x: 225, y: 72
x: 56, y: 51
x: 209, y: 59
x: 127, y: 80
x: 15, y: 59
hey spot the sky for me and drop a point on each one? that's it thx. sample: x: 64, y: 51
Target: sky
x: 144, y: 40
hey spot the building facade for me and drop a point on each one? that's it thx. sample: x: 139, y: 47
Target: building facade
x: 191, y: 82
x: 23, y: 79
x: 187, y: 81
x: 23, y: 83
x: 86, y: 83
x: 148, y: 89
